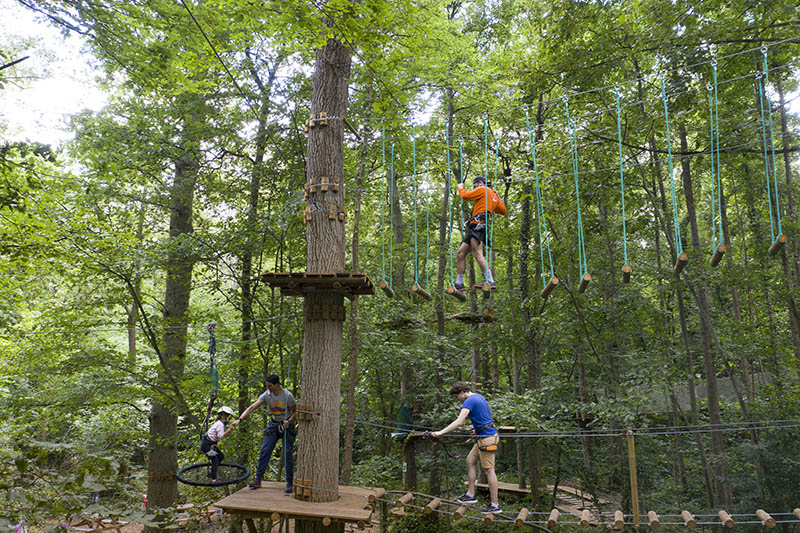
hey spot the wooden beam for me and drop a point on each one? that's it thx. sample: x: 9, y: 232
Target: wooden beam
x: 766, y: 518
x: 778, y: 244
x: 626, y: 273
x: 521, y: 517
x: 655, y: 521
x: 689, y: 519
x: 718, y: 253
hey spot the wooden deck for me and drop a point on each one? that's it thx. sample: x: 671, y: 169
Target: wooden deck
x: 270, y: 502
x: 301, y: 283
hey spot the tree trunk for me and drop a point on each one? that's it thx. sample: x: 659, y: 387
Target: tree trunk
x: 717, y: 442
x: 162, y: 461
x: 318, y: 450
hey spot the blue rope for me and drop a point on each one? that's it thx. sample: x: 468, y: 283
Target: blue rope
x: 772, y: 140
x: 675, y: 216
x: 621, y: 180
x: 539, y: 208
x: 573, y: 141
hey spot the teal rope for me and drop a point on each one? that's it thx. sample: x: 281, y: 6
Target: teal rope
x: 491, y: 223
x: 427, y: 214
x: 621, y: 180
x: 675, y: 216
x: 449, y: 209
x: 716, y: 133
x: 573, y: 141
x: 391, y: 216
x: 383, y: 204
x: 461, y: 177
x: 486, y: 192
x: 414, y: 159
x: 766, y: 157
x: 539, y: 208
x: 772, y: 140
x: 713, y: 174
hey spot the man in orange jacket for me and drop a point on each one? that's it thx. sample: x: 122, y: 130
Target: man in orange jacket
x: 486, y: 200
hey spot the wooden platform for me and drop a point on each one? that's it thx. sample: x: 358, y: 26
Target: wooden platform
x: 270, y: 498
x: 503, y: 487
x: 473, y: 318
x: 301, y: 283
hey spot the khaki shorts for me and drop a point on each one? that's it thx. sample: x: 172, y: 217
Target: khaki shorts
x: 487, y: 458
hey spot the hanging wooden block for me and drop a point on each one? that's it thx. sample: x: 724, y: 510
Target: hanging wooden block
x: 460, y: 512
x: 778, y: 244
x: 725, y: 518
x: 655, y: 522
x: 796, y: 512
x: 521, y: 517
x: 550, y: 286
x: 718, y: 253
x: 386, y: 289
x: 683, y: 258
x: 688, y: 519
x: 552, y: 520
x: 584, y: 282
x: 404, y: 499
x: 419, y: 291
x: 489, y: 519
x: 766, y: 518
x: 619, y: 520
x: 586, y: 518
x: 626, y: 273
x: 432, y: 505
x: 459, y: 295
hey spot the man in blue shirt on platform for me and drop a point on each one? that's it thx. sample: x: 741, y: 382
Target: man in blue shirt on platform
x: 475, y: 406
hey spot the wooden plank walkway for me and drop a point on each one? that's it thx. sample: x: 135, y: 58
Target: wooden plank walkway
x: 270, y: 499
x: 300, y: 283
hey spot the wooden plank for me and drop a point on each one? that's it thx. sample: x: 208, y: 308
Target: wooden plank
x: 270, y: 498
x: 504, y: 487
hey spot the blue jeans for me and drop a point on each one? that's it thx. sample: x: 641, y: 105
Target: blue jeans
x: 272, y: 434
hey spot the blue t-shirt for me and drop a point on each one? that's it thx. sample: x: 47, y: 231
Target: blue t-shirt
x: 479, y: 414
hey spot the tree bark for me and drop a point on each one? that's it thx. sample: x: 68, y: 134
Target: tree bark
x: 318, y: 450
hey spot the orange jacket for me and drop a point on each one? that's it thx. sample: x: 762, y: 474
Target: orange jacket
x: 478, y: 195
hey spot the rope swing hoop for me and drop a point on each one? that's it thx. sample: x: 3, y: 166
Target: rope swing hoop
x: 385, y: 286
x: 681, y: 257
x: 548, y: 282
x: 573, y: 142
x: 626, y: 268
x: 716, y: 184
x: 416, y: 288
x: 778, y: 238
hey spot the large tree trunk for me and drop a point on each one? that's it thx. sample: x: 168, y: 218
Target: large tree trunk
x: 162, y: 460
x: 717, y: 442
x: 318, y: 450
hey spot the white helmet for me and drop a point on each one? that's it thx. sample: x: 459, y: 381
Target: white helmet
x: 225, y: 409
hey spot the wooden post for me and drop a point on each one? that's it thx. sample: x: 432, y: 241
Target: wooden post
x: 655, y: 522
x: 718, y: 253
x: 626, y: 273
x: 432, y: 505
x: 766, y: 518
x: 461, y: 511
x: 683, y: 258
x: 619, y: 520
x: 725, y: 518
x: 521, y: 517
x: 552, y: 521
x: 634, y: 479
x: 586, y: 518
x: 688, y: 519
x: 550, y: 286
x: 778, y: 244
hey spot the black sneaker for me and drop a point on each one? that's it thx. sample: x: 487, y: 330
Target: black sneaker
x: 459, y: 286
x: 255, y: 484
x: 288, y: 489
x: 492, y: 508
x: 466, y: 498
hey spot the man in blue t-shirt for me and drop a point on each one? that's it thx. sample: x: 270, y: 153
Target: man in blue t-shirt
x: 474, y: 406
